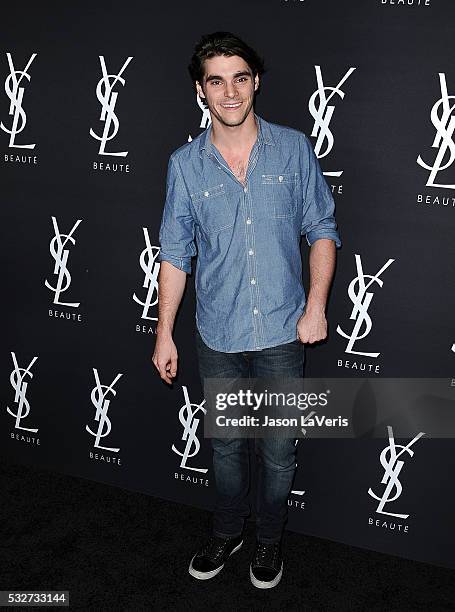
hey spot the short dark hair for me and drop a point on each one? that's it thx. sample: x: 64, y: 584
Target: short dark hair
x: 223, y: 43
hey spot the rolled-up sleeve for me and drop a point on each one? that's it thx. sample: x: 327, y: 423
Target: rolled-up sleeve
x: 318, y: 206
x: 177, y: 230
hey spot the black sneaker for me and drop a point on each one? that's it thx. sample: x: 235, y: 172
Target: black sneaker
x: 266, y: 567
x: 210, y: 559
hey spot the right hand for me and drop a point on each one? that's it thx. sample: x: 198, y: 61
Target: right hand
x: 165, y: 357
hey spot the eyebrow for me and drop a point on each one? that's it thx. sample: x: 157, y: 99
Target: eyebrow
x: 215, y: 77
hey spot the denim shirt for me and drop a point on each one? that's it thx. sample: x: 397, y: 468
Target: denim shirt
x: 249, y: 290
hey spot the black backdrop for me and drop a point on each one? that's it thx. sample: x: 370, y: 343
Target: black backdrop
x: 387, y: 209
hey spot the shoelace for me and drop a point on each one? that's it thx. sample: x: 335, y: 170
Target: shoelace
x: 266, y: 554
x: 214, y: 548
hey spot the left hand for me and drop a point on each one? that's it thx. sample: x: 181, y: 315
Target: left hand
x: 312, y: 326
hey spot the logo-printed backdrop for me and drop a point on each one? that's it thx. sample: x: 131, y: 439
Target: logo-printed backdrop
x: 93, y: 104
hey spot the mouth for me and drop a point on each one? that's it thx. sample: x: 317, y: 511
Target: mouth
x: 231, y: 105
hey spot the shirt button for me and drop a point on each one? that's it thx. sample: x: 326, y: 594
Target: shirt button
x: 255, y: 311
x: 280, y: 178
x: 253, y: 281
x: 248, y: 221
x: 245, y: 189
x: 251, y: 252
x: 206, y: 193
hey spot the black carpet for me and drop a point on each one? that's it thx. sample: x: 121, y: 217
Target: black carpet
x: 119, y: 550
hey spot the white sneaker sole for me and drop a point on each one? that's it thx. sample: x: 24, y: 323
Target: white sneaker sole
x: 208, y: 575
x: 261, y: 584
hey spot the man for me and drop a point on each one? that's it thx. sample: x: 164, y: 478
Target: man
x: 240, y: 196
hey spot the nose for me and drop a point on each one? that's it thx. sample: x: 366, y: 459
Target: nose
x: 230, y: 90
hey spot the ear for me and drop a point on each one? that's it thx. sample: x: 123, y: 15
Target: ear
x: 256, y: 82
x: 199, y: 91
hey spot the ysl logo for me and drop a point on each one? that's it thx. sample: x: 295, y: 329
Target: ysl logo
x: 361, y: 298
x: 20, y: 386
x: 60, y: 256
x: 151, y: 267
x: 205, y: 119
x: 98, y: 397
x: 190, y: 425
x: 444, y: 122
x: 16, y: 95
x: 108, y: 99
x: 322, y: 112
x: 298, y: 491
x: 392, y: 468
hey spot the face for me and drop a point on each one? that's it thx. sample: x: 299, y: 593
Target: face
x: 228, y: 89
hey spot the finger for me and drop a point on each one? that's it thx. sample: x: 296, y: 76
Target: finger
x: 169, y: 370
x: 167, y: 378
x: 173, y: 366
x: 162, y: 368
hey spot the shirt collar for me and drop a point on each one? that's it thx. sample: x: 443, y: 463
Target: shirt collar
x: 264, y: 135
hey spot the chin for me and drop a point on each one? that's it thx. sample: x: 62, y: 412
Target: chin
x: 232, y: 120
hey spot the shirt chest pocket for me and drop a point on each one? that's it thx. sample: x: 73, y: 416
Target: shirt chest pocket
x: 213, y: 210
x: 280, y: 194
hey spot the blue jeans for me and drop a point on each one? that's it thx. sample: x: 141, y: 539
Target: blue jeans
x: 276, y: 457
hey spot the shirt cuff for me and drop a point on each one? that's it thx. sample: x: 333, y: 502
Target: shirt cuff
x: 182, y: 263
x: 314, y: 235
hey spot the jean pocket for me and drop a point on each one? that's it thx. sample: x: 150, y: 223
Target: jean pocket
x: 280, y: 194
x: 213, y: 210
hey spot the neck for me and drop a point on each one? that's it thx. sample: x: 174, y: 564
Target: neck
x: 234, y: 137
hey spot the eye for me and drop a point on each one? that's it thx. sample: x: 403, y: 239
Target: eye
x: 215, y: 82
x: 243, y: 78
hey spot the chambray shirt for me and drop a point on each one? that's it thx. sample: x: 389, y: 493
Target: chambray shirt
x: 249, y: 290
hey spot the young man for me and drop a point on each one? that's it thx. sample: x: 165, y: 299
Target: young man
x: 244, y: 192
